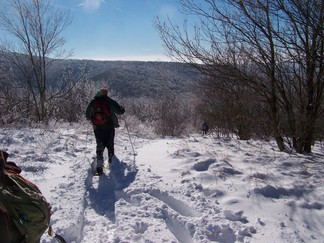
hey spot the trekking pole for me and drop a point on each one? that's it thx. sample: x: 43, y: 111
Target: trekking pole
x: 131, y: 142
x: 87, y: 146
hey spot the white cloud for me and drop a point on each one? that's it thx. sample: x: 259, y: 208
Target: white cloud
x: 91, y: 5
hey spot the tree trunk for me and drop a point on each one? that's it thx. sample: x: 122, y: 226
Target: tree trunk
x: 275, y: 123
x: 309, y: 139
x: 305, y: 142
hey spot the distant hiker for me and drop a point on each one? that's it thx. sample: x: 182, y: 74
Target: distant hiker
x: 102, y: 112
x: 204, y: 128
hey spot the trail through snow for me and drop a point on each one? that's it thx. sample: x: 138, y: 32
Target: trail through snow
x: 191, y: 189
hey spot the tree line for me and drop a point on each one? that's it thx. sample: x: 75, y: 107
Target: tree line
x: 262, y: 58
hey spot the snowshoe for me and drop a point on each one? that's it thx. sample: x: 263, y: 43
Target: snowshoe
x: 99, y: 171
x: 96, y: 170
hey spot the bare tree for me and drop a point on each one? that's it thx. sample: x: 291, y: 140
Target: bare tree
x: 173, y: 114
x: 34, y: 29
x: 251, y: 43
x: 302, y: 41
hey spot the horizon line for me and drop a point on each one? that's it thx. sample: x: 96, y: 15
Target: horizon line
x: 144, y: 58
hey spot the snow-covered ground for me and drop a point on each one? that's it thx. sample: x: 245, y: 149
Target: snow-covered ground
x: 191, y: 189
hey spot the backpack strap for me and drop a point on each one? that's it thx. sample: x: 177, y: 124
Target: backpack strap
x: 12, y: 167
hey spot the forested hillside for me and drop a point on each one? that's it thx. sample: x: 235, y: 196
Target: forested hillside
x: 135, y: 78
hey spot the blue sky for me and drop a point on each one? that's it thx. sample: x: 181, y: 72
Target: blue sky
x: 117, y: 29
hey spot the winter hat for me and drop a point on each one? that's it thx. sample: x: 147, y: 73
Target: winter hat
x: 103, y: 91
x: 104, y: 88
x: 3, y: 156
x: 3, y: 159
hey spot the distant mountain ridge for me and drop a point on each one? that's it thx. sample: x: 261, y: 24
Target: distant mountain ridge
x: 128, y: 78
x: 139, y: 78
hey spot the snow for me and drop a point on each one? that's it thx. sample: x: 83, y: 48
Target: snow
x: 191, y: 189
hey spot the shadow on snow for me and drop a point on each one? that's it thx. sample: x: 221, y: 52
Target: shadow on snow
x: 101, y: 191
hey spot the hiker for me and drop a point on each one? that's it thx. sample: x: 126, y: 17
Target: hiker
x: 24, y: 212
x: 8, y: 232
x: 4, y: 218
x: 204, y: 128
x: 4, y: 222
x: 102, y: 112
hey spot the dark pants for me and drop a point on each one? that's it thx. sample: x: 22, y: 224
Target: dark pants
x: 105, y: 139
